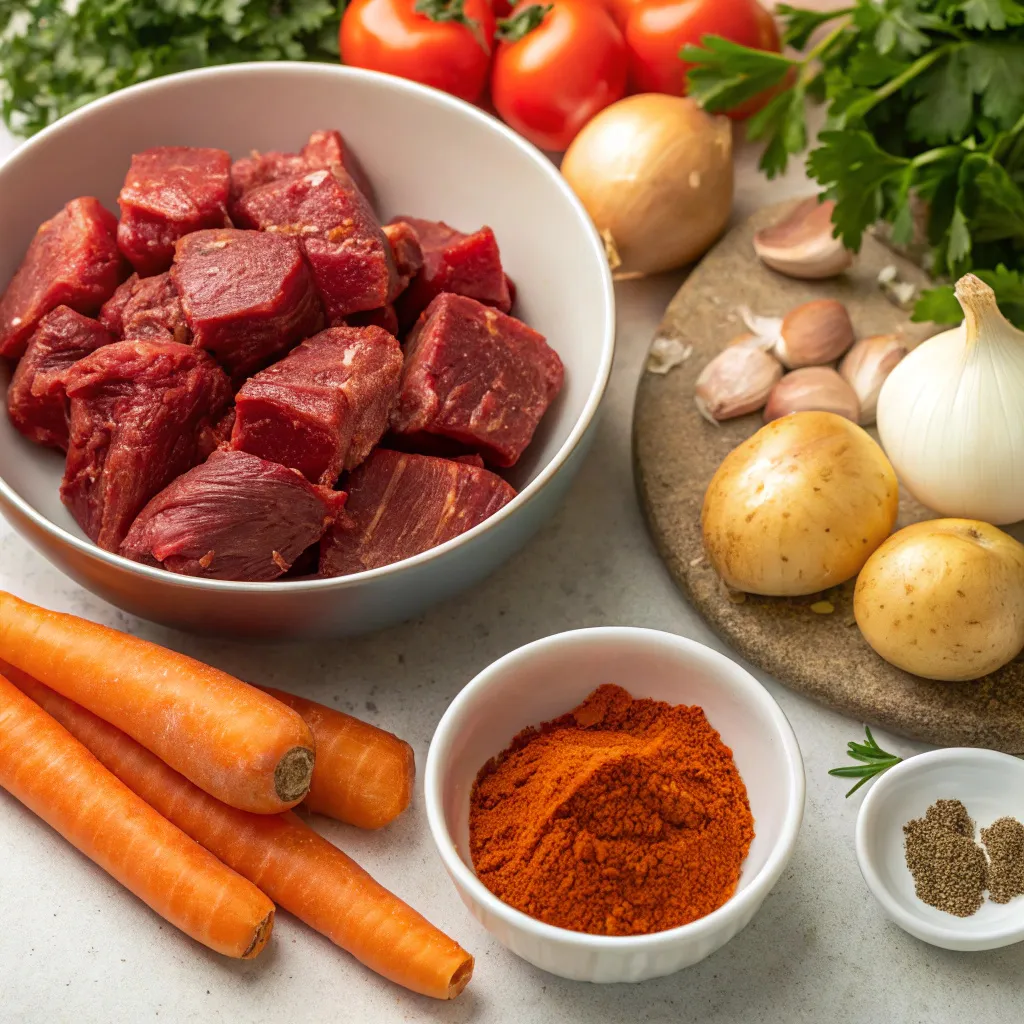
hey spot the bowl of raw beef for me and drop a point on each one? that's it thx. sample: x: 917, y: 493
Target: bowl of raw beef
x: 291, y: 349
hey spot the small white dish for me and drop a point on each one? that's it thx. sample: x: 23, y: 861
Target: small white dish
x: 990, y: 785
x: 545, y: 679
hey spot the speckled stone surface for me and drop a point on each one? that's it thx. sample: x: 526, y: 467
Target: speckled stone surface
x: 77, y: 949
x: 677, y: 453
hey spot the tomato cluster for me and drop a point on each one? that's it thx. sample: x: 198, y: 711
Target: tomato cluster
x: 549, y: 66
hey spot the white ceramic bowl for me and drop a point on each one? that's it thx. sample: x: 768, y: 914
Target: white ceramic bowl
x: 990, y: 785
x: 429, y: 155
x: 547, y: 678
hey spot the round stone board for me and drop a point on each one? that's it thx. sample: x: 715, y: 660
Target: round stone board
x: 818, y: 653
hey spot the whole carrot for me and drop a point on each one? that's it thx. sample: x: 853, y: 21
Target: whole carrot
x: 229, y: 738
x: 363, y: 775
x: 295, y: 866
x: 56, y: 777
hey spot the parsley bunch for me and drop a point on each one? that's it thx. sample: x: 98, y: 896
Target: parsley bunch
x: 56, y: 55
x: 925, y: 119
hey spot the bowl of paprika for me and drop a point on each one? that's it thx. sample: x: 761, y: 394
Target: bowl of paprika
x: 614, y: 804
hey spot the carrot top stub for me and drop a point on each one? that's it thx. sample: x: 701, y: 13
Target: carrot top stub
x: 232, y: 740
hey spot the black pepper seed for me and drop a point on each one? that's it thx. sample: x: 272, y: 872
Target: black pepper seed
x: 1004, y: 843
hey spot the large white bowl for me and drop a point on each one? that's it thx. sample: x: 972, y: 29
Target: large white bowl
x: 546, y: 679
x: 428, y: 155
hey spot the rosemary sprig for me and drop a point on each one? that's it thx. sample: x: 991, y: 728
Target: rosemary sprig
x: 873, y: 761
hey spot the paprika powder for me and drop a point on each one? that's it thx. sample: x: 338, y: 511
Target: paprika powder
x: 622, y: 817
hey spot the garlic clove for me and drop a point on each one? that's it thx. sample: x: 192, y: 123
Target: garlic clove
x: 737, y: 381
x: 813, y: 334
x: 812, y: 389
x: 866, y: 366
x: 801, y: 245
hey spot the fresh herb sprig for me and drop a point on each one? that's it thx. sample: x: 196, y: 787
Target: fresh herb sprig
x: 873, y: 760
x: 925, y: 117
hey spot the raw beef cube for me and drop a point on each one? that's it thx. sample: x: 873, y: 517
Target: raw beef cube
x: 36, y: 400
x: 386, y: 318
x: 453, y: 262
x: 323, y: 149
x: 169, y: 192
x: 348, y: 252
x: 235, y: 517
x: 476, y: 376
x: 324, y: 406
x: 248, y: 296
x: 72, y: 261
x: 400, y: 505
x: 146, y: 309
x: 406, y: 252
x: 138, y: 411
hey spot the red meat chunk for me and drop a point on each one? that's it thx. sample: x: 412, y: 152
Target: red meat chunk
x: 146, y: 309
x: 323, y: 149
x: 348, y: 252
x: 36, y: 400
x: 140, y: 413
x: 324, y: 406
x: 248, y: 296
x: 405, y: 250
x: 400, y: 505
x: 169, y: 192
x: 72, y: 261
x: 385, y: 318
x: 453, y: 262
x: 476, y: 377
x: 235, y: 517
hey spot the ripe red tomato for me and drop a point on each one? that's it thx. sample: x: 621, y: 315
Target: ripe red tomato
x: 549, y: 83
x: 501, y: 8
x: 392, y: 36
x: 657, y: 30
x: 620, y: 10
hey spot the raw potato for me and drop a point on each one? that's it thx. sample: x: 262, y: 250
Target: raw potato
x: 944, y: 599
x: 655, y: 174
x: 799, y: 507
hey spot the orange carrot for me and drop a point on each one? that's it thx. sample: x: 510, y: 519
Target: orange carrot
x: 363, y: 775
x: 230, y: 739
x: 290, y: 862
x: 56, y: 777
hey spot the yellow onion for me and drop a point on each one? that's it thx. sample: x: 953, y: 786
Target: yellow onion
x: 655, y: 174
x: 799, y: 507
x: 944, y: 599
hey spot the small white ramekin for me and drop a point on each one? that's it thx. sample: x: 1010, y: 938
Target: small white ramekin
x: 990, y: 785
x: 547, y: 678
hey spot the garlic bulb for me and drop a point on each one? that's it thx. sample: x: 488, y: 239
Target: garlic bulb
x: 951, y: 414
x: 865, y: 368
x: 802, y: 245
x: 812, y: 389
x: 812, y: 334
x: 737, y: 381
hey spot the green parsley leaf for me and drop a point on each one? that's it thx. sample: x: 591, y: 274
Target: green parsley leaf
x: 799, y: 25
x: 992, y: 14
x: 726, y: 74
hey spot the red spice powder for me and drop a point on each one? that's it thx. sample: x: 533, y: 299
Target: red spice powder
x: 622, y: 817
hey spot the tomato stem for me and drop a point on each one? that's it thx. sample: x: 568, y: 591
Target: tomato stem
x: 511, y: 30
x: 453, y: 11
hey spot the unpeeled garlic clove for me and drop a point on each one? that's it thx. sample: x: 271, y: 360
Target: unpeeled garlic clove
x: 737, y: 381
x: 801, y: 244
x: 812, y: 389
x: 813, y: 334
x: 866, y: 366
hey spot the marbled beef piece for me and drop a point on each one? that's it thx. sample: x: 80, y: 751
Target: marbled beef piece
x: 406, y: 252
x: 169, y: 192
x: 477, y: 377
x: 146, y: 309
x: 347, y: 250
x: 323, y: 149
x: 385, y: 318
x: 248, y: 296
x: 36, y: 401
x: 401, y: 504
x: 324, y: 406
x: 235, y: 517
x: 453, y: 262
x: 139, y: 411
x: 73, y: 261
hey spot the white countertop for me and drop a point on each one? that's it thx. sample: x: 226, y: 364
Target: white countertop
x: 77, y: 947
